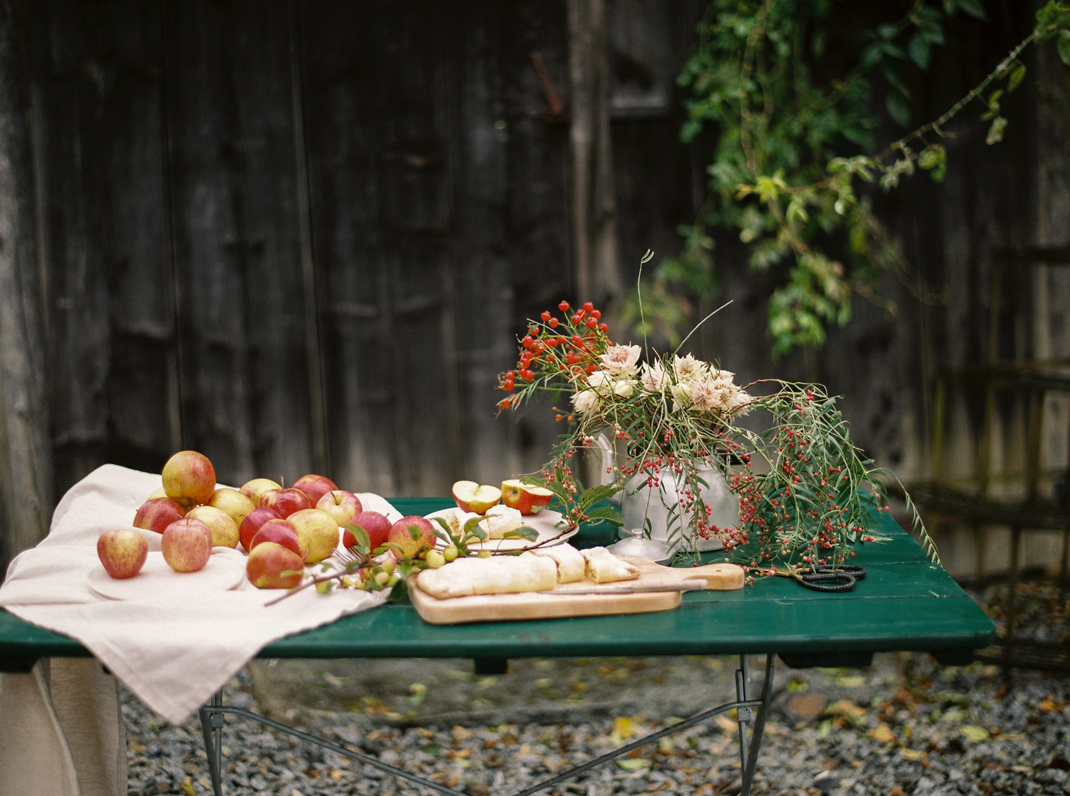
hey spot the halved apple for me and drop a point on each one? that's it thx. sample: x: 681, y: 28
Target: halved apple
x: 525, y: 498
x: 476, y: 498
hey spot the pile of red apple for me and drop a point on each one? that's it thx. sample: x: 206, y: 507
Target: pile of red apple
x: 281, y: 528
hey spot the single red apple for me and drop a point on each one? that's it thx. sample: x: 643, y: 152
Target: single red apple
x: 156, y: 514
x: 189, y: 474
x: 523, y: 497
x: 281, y: 532
x: 476, y: 498
x: 272, y: 566
x: 315, y: 486
x: 222, y: 527
x: 375, y: 525
x: 341, y: 505
x: 401, y: 536
x: 284, y: 501
x: 186, y: 545
x: 252, y: 523
x: 122, y: 551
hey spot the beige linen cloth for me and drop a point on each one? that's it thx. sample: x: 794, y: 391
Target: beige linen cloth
x: 61, y: 732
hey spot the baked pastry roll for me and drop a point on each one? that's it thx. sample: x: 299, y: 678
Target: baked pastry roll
x: 604, y: 567
x: 570, y: 563
x: 501, y: 519
x: 495, y: 575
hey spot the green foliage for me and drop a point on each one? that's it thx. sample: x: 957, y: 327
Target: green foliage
x: 794, y: 137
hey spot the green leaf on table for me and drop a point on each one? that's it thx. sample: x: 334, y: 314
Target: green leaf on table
x: 522, y: 532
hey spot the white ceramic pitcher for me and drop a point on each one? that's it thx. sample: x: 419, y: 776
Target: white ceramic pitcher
x: 649, y: 507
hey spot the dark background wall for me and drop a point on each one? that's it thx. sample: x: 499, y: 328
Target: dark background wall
x: 302, y: 236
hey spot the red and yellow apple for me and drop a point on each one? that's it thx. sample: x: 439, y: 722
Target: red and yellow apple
x: 220, y: 524
x: 525, y: 498
x: 318, y: 530
x: 157, y: 513
x: 281, y: 532
x: 375, y: 525
x: 315, y: 486
x: 186, y: 545
x: 401, y: 535
x: 255, y: 487
x: 475, y: 498
x: 122, y: 551
x: 341, y: 505
x: 252, y: 523
x: 284, y: 501
x: 272, y: 566
x: 233, y: 503
x: 185, y: 503
x: 189, y: 474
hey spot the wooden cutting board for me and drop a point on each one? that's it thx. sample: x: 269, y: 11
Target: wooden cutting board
x: 582, y: 598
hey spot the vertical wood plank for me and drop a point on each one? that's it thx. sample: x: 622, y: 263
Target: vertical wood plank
x: 375, y: 118
x: 25, y: 453
x: 246, y: 399
x: 104, y: 198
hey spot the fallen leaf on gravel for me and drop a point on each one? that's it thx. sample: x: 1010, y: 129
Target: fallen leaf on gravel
x: 882, y: 733
x: 846, y: 710
x: 913, y: 754
x: 622, y: 728
x: 633, y: 763
x: 973, y: 733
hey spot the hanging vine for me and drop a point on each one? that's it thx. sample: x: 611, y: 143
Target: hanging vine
x: 795, y: 137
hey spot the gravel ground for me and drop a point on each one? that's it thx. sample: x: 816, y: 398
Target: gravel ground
x: 902, y: 726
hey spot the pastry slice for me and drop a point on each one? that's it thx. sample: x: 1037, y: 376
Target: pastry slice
x: 604, y: 567
x: 500, y: 520
x: 570, y: 563
x: 495, y: 575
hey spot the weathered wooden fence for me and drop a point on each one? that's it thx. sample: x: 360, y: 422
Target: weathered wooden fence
x: 303, y: 235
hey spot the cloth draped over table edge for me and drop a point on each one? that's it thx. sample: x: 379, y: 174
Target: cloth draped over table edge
x: 172, y: 650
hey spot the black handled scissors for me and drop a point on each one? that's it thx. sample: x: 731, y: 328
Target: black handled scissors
x: 825, y: 579
x: 831, y: 579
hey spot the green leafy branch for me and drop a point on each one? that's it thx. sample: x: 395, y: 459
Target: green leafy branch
x: 786, y: 171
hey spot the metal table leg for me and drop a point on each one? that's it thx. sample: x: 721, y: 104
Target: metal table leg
x: 212, y: 729
x: 212, y: 726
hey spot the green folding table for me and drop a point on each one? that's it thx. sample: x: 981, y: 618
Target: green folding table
x: 904, y: 603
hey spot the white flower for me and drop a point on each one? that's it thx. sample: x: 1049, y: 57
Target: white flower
x: 598, y: 379
x: 624, y: 388
x: 681, y: 394
x: 620, y: 360
x: 585, y: 401
x: 654, y: 378
x: 688, y: 369
x: 707, y: 394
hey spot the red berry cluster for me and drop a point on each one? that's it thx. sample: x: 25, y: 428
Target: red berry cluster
x: 555, y: 348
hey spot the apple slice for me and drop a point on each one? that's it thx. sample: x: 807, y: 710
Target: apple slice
x: 525, y: 498
x: 475, y: 498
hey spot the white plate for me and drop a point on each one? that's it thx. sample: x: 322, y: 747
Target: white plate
x: 225, y: 570
x: 545, y: 522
